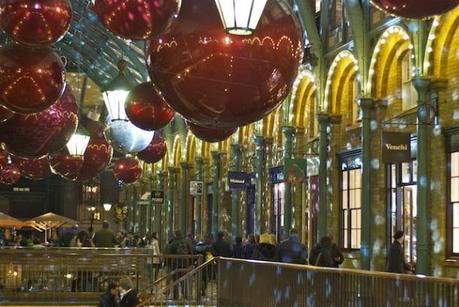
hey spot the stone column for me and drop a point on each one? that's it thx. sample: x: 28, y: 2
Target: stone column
x: 367, y: 105
x: 184, y: 199
x: 423, y: 244
x: 170, y: 202
x: 289, y: 133
x: 216, y: 158
x: 198, y: 202
x: 260, y: 164
x: 322, y: 216
x: 236, y: 152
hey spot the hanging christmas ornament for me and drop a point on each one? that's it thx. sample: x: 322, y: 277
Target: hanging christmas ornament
x: 155, y: 151
x: 127, y: 138
x: 97, y: 157
x: 147, y: 109
x: 35, y: 22
x: 127, y: 170
x: 5, y: 114
x: 136, y: 19
x: 219, y: 80
x: 415, y: 9
x: 66, y: 165
x: 34, y: 169
x: 3, y: 158
x: 10, y: 174
x: 210, y: 135
x: 31, y: 79
x: 43, y: 133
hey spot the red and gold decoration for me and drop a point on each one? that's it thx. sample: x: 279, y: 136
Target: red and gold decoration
x: 136, y: 19
x: 415, y: 9
x: 147, y: 109
x: 66, y: 165
x: 155, y: 151
x: 35, y: 22
x: 10, y: 174
x: 5, y: 114
x: 219, y: 80
x: 31, y: 80
x: 127, y: 170
x: 97, y: 157
x: 37, y: 135
x: 34, y: 169
x: 210, y: 135
x: 3, y: 158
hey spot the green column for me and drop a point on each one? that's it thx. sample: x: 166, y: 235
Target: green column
x: 367, y: 106
x: 170, y: 202
x: 216, y: 158
x: 322, y: 215
x: 159, y: 207
x: 289, y: 133
x: 149, y: 225
x: 184, y: 199
x: 260, y: 164
x: 198, y: 202
x: 236, y: 152
x: 424, y: 129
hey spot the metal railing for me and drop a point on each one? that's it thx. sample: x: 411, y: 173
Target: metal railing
x: 257, y: 283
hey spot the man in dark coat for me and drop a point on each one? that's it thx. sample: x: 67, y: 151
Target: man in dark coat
x: 321, y: 254
x: 221, y: 247
x: 105, y: 237
x: 108, y: 299
x: 127, y: 293
x: 292, y: 250
x: 396, y: 258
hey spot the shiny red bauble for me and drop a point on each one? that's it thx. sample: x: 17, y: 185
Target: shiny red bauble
x: 147, y: 109
x: 127, y: 170
x: 415, y: 9
x: 155, y: 151
x: 3, y: 158
x: 31, y: 80
x: 136, y: 19
x: 97, y: 157
x: 35, y: 22
x: 35, y: 169
x: 10, y: 174
x: 66, y: 165
x: 210, y: 135
x: 5, y: 114
x: 43, y: 133
x: 220, y: 80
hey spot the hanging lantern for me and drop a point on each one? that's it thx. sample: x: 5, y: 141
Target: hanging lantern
x: 5, y: 114
x: 210, y: 135
x: 223, y: 81
x: 37, y: 135
x: 35, y: 22
x: 147, y: 109
x: 127, y: 170
x: 136, y: 19
x: 127, y: 138
x: 155, y: 151
x: 107, y: 207
x: 77, y: 144
x: 97, y: 157
x: 415, y: 9
x: 10, y: 174
x: 32, y: 79
x: 115, y: 94
x: 240, y: 17
x: 34, y: 169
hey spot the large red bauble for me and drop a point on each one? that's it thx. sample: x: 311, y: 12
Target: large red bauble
x: 66, y: 165
x: 136, y: 19
x: 10, y: 174
x: 3, y: 158
x: 35, y: 169
x: 40, y: 134
x: 415, y: 9
x: 97, y: 156
x: 220, y: 80
x: 147, y: 109
x: 155, y: 151
x: 5, y: 114
x: 35, y: 22
x: 211, y: 135
x: 31, y: 80
x: 127, y: 170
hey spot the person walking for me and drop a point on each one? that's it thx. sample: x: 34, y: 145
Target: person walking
x: 105, y: 237
x: 396, y: 257
x: 109, y: 298
x: 221, y: 247
x: 179, y: 245
x: 292, y: 250
x: 155, y: 252
x: 266, y: 249
x: 128, y: 295
x: 238, y: 248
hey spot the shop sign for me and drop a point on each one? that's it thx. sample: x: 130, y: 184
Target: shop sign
x: 276, y: 174
x: 238, y: 180
x: 396, y: 147
x: 196, y: 188
x: 157, y: 197
x: 295, y: 170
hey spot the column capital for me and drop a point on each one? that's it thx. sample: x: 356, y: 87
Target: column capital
x: 422, y: 86
x: 236, y: 148
x: 216, y: 155
x: 367, y: 103
x: 171, y: 170
x: 185, y: 165
x: 260, y: 140
x: 323, y: 118
x: 288, y: 131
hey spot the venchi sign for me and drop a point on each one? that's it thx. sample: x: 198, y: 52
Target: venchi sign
x: 396, y: 147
